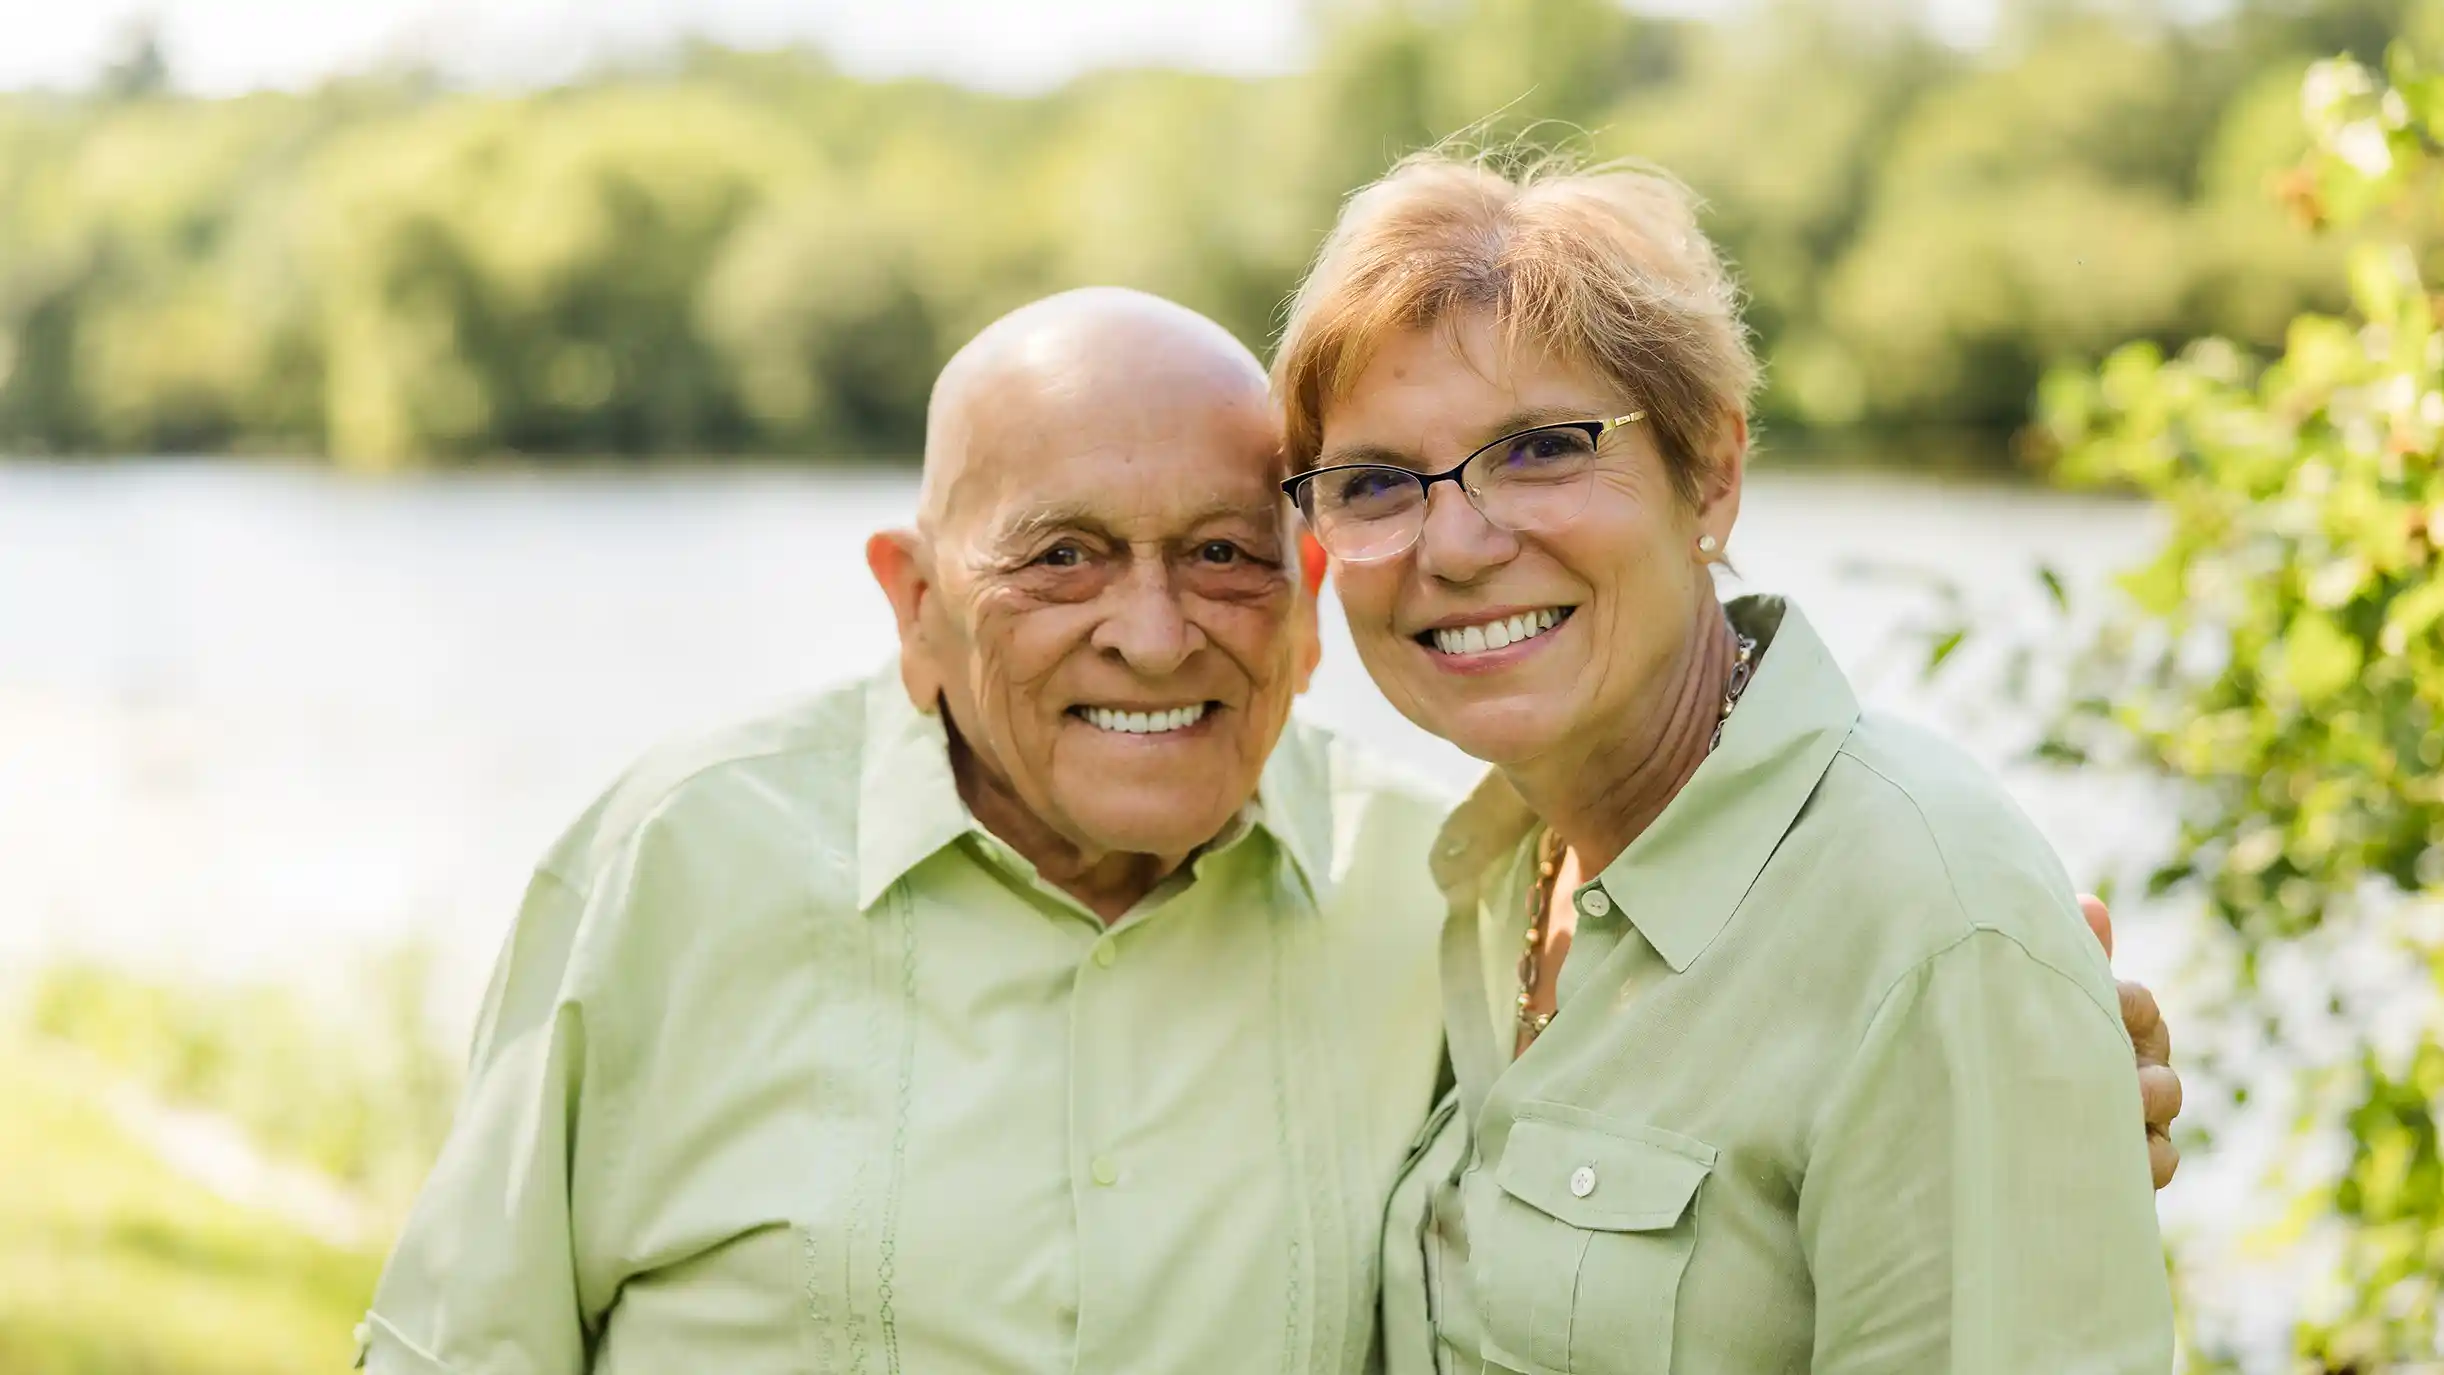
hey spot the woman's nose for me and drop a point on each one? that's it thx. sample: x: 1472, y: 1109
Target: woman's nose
x: 1457, y: 543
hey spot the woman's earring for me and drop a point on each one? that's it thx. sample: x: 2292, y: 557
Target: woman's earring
x: 1707, y: 544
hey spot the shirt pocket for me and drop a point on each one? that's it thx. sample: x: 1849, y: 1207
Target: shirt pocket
x: 1585, y: 1228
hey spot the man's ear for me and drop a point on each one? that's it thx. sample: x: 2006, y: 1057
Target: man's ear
x: 897, y: 558
x: 1309, y: 636
x: 1305, y: 623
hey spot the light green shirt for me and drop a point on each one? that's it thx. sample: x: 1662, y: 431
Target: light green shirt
x: 788, y: 1066
x: 1839, y: 1082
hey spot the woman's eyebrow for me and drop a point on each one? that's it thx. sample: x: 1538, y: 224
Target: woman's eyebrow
x: 1535, y: 418
x: 1526, y: 418
x: 1364, y: 453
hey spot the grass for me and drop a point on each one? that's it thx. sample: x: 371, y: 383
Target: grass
x: 111, y: 1264
x: 353, y: 1085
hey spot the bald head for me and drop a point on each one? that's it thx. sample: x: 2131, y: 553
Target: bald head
x: 1078, y: 367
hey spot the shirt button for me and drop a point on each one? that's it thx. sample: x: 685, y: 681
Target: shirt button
x: 1106, y: 1173
x: 1582, y: 1181
x: 1106, y: 955
x: 1595, y: 904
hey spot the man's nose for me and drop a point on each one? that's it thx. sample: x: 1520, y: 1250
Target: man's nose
x: 1457, y: 544
x: 1149, y: 628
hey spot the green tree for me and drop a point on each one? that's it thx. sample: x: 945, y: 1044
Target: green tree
x: 2283, y: 657
x: 729, y: 252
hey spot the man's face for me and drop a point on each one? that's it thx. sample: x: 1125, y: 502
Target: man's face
x: 1112, y: 611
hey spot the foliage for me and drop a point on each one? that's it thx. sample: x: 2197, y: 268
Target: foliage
x: 111, y: 1265
x: 742, y: 252
x: 359, y: 1091
x: 2283, y: 655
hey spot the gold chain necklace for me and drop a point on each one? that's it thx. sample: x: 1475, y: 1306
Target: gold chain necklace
x: 1549, y: 852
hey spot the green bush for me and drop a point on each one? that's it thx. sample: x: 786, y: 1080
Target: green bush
x: 2283, y: 656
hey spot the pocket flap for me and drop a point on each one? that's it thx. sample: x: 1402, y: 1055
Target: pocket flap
x: 1601, y: 1176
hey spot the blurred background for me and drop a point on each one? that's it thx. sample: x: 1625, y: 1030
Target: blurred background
x: 412, y: 409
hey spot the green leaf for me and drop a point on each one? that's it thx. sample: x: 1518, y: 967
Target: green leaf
x: 1943, y: 649
x: 2053, y: 587
x: 2383, y: 278
x: 2318, y: 659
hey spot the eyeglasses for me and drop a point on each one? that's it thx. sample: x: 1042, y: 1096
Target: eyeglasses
x: 1533, y: 480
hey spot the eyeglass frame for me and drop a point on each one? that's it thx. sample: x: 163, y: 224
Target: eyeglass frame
x: 1595, y: 430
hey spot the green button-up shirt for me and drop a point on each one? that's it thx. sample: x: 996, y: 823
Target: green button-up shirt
x: 788, y: 1066
x: 1838, y: 1082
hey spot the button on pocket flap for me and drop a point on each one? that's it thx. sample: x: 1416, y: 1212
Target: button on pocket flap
x: 1611, y: 1178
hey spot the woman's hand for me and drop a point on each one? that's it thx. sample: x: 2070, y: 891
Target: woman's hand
x: 2159, y: 1086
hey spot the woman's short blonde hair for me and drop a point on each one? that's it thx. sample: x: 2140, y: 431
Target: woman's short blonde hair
x: 1603, y: 267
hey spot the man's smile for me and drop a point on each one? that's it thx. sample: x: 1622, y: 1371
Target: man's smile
x: 1145, y: 721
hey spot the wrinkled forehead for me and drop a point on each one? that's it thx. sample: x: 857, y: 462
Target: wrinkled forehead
x: 1148, y: 462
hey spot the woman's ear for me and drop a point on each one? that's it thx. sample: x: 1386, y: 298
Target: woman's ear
x: 898, y: 561
x: 1726, y: 469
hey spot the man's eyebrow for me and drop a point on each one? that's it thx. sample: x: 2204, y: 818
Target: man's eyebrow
x: 1030, y: 526
x: 1525, y: 418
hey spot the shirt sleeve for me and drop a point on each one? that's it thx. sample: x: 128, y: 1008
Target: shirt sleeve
x: 484, y: 1275
x: 1978, y: 1198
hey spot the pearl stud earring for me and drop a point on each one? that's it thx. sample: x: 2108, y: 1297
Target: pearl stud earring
x: 1707, y: 544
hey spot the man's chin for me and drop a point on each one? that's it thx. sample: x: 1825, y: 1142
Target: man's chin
x: 1152, y: 820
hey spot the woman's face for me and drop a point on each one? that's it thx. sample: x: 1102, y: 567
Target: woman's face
x: 1607, y: 599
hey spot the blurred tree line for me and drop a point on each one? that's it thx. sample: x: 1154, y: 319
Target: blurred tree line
x: 752, y: 253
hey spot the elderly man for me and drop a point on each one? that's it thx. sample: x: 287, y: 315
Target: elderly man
x: 1050, y: 1003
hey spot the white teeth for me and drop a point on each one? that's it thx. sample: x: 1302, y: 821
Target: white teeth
x: 1478, y: 639
x: 1143, y: 722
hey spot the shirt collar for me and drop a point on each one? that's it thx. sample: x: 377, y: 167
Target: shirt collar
x: 1293, y: 804
x: 1683, y: 877
x: 909, y: 805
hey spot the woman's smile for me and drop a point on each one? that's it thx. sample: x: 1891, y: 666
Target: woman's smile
x: 1489, y: 641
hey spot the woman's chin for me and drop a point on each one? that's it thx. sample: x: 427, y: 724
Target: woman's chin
x: 1496, y: 733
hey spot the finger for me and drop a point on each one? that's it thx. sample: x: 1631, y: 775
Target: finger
x: 2159, y: 1096
x: 2163, y: 1158
x: 2149, y: 1036
x: 2100, y: 921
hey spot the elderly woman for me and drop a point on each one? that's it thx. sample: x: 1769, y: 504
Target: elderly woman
x: 1779, y: 1042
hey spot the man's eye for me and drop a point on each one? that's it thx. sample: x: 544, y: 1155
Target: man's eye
x: 1062, y: 556
x: 1219, y: 552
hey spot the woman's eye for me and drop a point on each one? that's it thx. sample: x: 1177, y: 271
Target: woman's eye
x: 1365, y: 486
x: 1547, y: 449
